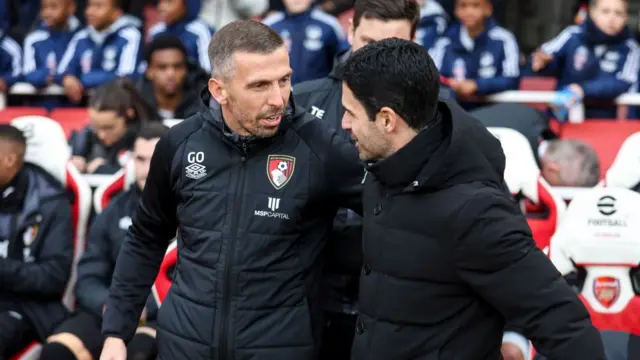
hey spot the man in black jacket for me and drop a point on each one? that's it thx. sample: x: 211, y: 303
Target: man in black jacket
x: 252, y: 184
x: 79, y: 337
x: 36, y: 247
x: 171, y: 83
x: 372, y: 20
x: 448, y: 257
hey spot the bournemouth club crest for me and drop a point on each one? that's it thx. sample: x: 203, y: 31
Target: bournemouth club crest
x: 606, y: 290
x: 280, y: 169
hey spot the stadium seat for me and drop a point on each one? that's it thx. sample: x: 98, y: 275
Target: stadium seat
x: 523, y: 179
x: 118, y: 182
x: 605, y: 137
x: 625, y: 170
x: 10, y: 113
x: 71, y: 118
x: 161, y: 286
x: 47, y: 148
x: 598, y: 239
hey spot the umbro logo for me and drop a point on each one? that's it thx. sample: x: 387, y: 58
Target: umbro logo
x: 195, y: 170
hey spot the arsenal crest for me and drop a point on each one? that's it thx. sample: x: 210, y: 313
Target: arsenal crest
x: 280, y: 169
x: 606, y: 290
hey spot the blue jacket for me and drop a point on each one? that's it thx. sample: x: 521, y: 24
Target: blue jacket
x: 314, y: 40
x: 43, y: 49
x: 5, y: 16
x: 36, y: 247
x: 433, y: 24
x: 97, y: 58
x: 604, y: 66
x: 492, y: 59
x: 194, y: 33
x: 10, y: 59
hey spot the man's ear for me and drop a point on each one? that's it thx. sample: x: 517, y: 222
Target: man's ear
x: 388, y: 119
x: 218, y: 91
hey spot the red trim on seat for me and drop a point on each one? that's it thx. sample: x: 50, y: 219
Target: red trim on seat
x: 26, y: 350
x: 163, y: 281
x: 627, y: 320
x: 75, y: 208
x: 543, y: 229
x: 113, y: 189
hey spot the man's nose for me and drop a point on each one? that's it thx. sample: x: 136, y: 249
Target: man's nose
x: 346, y: 122
x: 275, y: 97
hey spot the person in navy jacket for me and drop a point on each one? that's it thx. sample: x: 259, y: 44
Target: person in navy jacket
x: 597, y: 60
x: 44, y: 47
x: 313, y: 38
x: 180, y: 18
x: 106, y: 49
x: 433, y: 23
x: 478, y: 56
x: 10, y: 62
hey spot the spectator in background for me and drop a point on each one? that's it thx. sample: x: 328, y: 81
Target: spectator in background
x: 218, y: 13
x: 5, y: 16
x: 171, y: 84
x: 313, y: 38
x: 36, y: 247
x: 108, y: 48
x: 116, y: 112
x: 478, y: 56
x: 433, y: 23
x: 79, y: 337
x: 10, y: 62
x: 597, y: 60
x: 570, y: 162
x: 43, y: 48
x: 180, y: 18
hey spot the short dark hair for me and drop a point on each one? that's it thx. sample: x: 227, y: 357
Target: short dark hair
x: 387, y: 10
x: 152, y: 130
x: 164, y: 42
x: 12, y: 134
x: 120, y: 95
x: 241, y: 35
x: 398, y: 74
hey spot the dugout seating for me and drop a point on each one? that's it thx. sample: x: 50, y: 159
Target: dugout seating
x: 71, y: 119
x: 47, y: 148
x: 598, y: 241
x: 544, y: 210
x: 11, y: 113
x: 625, y: 170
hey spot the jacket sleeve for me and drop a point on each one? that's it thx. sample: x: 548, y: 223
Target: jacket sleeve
x: 509, y: 79
x: 49, y: 273
x: 130, y: 53
x: 11, y: 61
x: 96, y: 78
x: 614, y: 85
x: 154, y: 225
x: 497, y: 258
x: 556, y: 47
x: 345, y: 172
x: 70, y: 62
x: 95, y: 267
x: 438, y: 52
x: 34, y: 71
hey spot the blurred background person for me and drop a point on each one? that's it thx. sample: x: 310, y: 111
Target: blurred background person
x: 570, y: 162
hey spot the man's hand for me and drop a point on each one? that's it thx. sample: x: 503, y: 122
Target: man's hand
x: 79, y: 162
x: 94, y: 165
x: 511, y: 351
x: 73, y: 88
x: 539, y: 60
x: 577, y: 89
x: 466, y: 87
x: 114, y: 349
x: 3, y: 86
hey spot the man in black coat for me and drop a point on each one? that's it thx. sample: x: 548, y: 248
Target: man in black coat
x: 372, y: 20
x: 252, y: 184
x: 36, y: 247
x: 448, y: 257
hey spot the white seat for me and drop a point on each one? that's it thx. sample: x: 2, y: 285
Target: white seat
x: 601, y: 234
x: 47, y: 148
x: 624, y: 172
x: 118, y: 182
x: 523, y: 179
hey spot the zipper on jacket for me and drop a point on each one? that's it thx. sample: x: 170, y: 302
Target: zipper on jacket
x: 228, y: 286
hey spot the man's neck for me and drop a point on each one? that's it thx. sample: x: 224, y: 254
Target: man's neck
x: 232, y: 123
x: 475, y: 31
x: 401, y: 139
x: 168, y: 102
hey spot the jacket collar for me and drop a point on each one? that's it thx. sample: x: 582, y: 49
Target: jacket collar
x: 99, y: 37
x: 461, y: 39
x: 594, y: 36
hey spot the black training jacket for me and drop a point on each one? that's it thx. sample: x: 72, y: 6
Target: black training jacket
x: 448, y: 257
x: 252, y: 217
